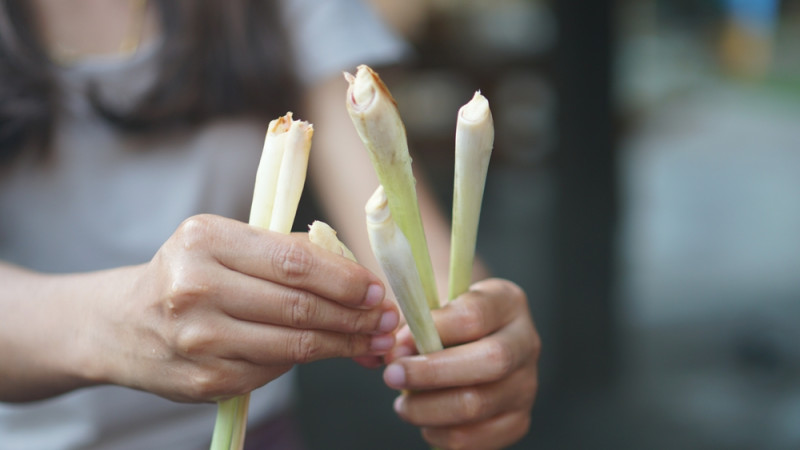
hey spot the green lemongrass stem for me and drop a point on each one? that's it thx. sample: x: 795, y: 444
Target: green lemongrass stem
x: 231, y: 423
x: 377, y: 120
x: 323, y: 235
x: 393, y: 252
x: 474, y: 140
x: 279, y: 183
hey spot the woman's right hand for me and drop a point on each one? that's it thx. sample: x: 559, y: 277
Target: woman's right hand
x: 224, y: 308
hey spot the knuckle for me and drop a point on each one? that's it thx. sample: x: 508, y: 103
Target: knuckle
x: 527, y: 388
x: 474, y: 318
x: 352, y: 277
x: 191, y: 340
x: 293, y: 262
x: 194, y: 232
x: 356, y: 345
x: 362, y: 322
x: 500, y: 358
x: 300, y: 309
x: 221, y: 381
x: 205, y: 385
x: 513, y: 289
x: 516, y: 294
x: 185, y: 289
x: 471, y: 404
x: 306, y: 349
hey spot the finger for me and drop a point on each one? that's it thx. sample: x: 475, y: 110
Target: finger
x: 401, y: 349
x: 488, y: 306
x: 369, y: 362
x: 448, y: 407
x: 483, y: 361
x: 269, y: 345
x: 289, y: 260
x: 217, y: 379
x: 270, y: 303
x: 197, y: 337
x: 485, y: 308
x: 497, y: 432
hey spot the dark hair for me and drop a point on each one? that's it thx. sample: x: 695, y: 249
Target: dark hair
x: 218, y: 57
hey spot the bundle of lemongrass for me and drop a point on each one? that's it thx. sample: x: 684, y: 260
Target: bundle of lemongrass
x: 393, y: 217
x: 279, y: 183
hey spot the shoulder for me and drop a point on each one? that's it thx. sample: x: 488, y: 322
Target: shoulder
x: 327, y: 37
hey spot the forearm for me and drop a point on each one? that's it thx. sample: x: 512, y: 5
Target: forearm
x: 47, y: 335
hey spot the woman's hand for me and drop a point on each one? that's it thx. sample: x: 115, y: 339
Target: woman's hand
x: 479, y: 391
x: 224, y: 308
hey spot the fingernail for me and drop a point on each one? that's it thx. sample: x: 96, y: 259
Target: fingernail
x: 382, y: 343
x: 389, y: 321
x: 374, y: 296
x: 395, y: 376
x: 398, y: 403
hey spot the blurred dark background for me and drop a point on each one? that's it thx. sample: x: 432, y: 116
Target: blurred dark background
x: 644, y: 190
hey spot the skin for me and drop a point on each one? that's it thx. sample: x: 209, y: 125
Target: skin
x: 207, y: 319
x: 220, y: 310
x: 479, y: 391
x: 494, y: 313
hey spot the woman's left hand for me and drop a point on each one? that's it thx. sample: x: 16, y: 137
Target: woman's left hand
x: 479, y: 391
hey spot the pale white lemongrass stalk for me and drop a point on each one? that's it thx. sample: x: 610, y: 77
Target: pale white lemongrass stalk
x: 267, y: 173
x: 322, y: 234
x: 377, y: 120
x: 278, y: 186
x: 292, y: 176
x: 474, y: 140
x: 393, y: 252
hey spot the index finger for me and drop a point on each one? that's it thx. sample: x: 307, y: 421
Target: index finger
x: 292, y: 261
x: 487, y: 360
x: 488, y: 306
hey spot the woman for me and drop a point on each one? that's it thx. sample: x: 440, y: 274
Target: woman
x: 129, y: 134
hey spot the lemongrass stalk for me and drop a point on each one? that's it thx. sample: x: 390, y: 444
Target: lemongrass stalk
x: 474, y: 140
x: 393, y: 252
x: 292, y: 176
x: 267, y: 173
x: 278, y: 186
x: 377, y: 120
x: 323, y: 235
x: 231, y: 423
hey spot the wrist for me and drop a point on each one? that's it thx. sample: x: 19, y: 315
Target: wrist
x: 99, y: 327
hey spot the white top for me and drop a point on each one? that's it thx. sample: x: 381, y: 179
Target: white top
x: 103, y: 204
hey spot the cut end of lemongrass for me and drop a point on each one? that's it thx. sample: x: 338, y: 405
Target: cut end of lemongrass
x: 393, y: 252
x: 279, y: 183
x: 323, y: 235
x: 476, y: 110
x: 377, y: 207
x: 377, y: 120
x: 267, y: 173
x: 281, y: 124
x: 292, y: 175
x: 474, y: 141
x: 363, y: 92
x: 365, y: 88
